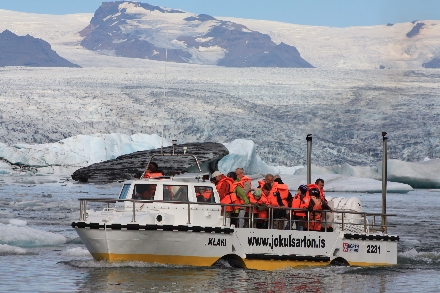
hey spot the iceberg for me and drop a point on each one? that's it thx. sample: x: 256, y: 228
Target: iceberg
x: 67, y: 155
x: 80, y: 150
x: 16, y: 233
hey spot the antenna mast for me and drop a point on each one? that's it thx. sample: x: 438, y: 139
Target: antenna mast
x: 164, y: 94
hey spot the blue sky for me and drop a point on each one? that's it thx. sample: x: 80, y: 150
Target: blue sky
x: 339, y: 13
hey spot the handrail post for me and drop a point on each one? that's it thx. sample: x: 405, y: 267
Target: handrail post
x: 365, y: 223
x: 309, y: 158
x: 325, y: 221
x: 384, y: 178
x: 224, y: 216
x: 343, y: 214
x: 271, y: 218
x: 133, y: 219
x: 252, y: 217
x: 290, y: 219
x: 80, y: 210
x: 189, y: 214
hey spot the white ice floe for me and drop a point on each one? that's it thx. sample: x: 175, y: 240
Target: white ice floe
x: 24, y: 236
x: 11, y: 250
x: 77, y: 252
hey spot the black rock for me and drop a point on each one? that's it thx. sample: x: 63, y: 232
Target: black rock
x: 415, y: 30
x: 131, y: 166
x: 28, y: 51
x: 434, y: 63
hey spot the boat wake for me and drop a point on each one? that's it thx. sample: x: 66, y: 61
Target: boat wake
x: 412, y: 256
x: 125, y: 264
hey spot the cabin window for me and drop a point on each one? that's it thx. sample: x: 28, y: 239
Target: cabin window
x: 144, y: 191
x: 204, y: 194
x: 124, y: 191
x: 175, y: 192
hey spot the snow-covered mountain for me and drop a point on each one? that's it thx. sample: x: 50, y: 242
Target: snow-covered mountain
x: 141, y: 30
x: 28, y: 51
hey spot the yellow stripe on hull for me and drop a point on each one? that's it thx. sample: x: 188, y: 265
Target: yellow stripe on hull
x: 209, y: 261
x: 368, y: 264
x: 154, y: 258
x: 280, y: 264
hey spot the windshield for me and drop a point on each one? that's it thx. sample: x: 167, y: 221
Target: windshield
x: 124, y: 191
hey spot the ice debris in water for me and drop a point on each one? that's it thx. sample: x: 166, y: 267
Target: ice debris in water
x: 77, y: 251
x: 24, y: 236
x: 11, y: 250
x: 17, y: 222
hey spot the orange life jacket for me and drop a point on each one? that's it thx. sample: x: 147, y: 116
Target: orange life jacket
x: 298, y: 203
x: 206, y: 195
x: 228, y: 196
x: 261, y: 201
x: 316, y: 217
x: 283, y: 189
x: 321, y: 191
x: 153, y: 175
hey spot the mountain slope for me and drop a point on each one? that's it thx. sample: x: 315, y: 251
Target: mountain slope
x: 28, y: 51
x: 140, y: 30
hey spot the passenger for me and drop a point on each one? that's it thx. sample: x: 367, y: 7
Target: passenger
x: 152, y: 171
x: 283, y: 196
x: 238, y: 193
x: 259, y: 200
x: 203, y: 194
x: 225, y: 189
x: 245, y: 185
x: 320, y: 183
x: 300, y: 201
x: 315, y: 206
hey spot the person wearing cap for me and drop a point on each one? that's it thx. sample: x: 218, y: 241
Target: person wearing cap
x: 300, y: 200
x: 316, y: 205
x: 259, y: 200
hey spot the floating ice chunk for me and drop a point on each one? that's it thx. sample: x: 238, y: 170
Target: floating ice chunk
x: 243, y: 154
x: 17, y: 222
x: 11, y: 250
x: 77, y: 251
x: 339, y: 183
x: 28, y: 237
x: 417, y: 174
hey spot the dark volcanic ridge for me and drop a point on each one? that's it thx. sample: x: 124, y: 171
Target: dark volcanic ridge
x: 434, y: 63
x: 28, y: 51
x: 138, y: 30
x: 131, y: 166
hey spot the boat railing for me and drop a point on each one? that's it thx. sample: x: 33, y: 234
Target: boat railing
x: 362, y: 222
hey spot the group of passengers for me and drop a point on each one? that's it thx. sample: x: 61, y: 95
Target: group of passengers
x: 236, y: 188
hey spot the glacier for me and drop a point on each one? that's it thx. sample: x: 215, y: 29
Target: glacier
x: 65, y: 156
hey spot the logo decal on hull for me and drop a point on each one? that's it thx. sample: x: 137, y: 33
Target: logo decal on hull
x: 217, y: 242
x: 349, y: 247
x: 287, y: 242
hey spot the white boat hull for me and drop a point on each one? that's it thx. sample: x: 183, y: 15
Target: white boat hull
x: 264, y: 249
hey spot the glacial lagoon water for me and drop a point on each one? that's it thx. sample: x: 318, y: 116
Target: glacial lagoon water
x: 31, y: 263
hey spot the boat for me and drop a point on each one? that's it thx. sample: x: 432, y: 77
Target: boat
x: 162, y: 220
